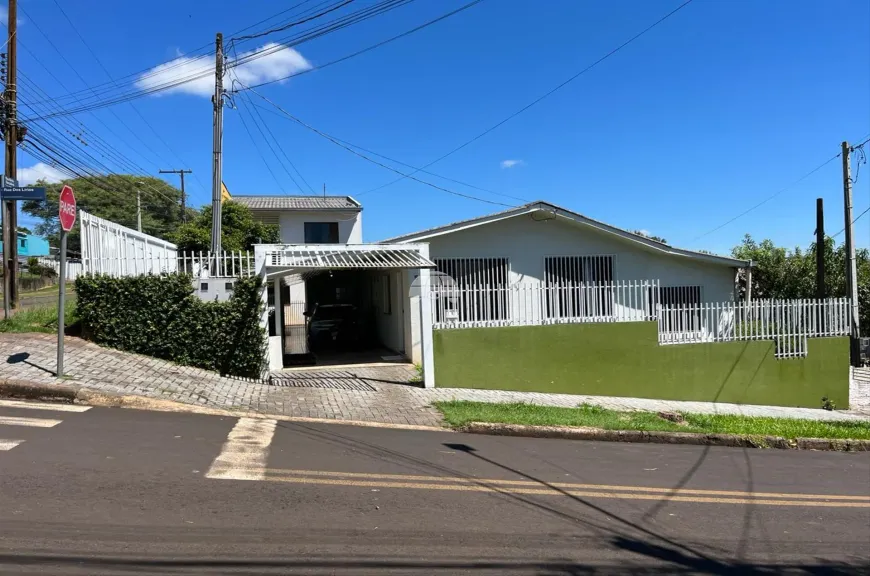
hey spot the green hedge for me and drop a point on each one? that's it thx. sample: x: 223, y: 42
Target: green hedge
x: 160, y: 316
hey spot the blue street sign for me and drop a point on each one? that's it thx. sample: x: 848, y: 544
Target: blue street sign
x: 22, y: 193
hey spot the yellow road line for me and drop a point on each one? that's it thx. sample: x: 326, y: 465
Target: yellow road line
x: 549, y: 492
x: 272, y: 473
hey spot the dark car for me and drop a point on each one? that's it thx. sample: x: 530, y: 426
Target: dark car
x: 334, y: 325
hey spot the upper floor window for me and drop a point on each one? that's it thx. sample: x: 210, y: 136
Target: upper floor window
x: 321, y: 232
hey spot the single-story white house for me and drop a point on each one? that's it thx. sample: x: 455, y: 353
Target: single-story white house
x: 536, y: 263
x: 539, y: 248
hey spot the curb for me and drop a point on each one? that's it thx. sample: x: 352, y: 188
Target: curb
x: 65, y: 394
x: 691, y: 438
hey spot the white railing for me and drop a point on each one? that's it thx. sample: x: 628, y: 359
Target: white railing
x: 527, y: 304
x: 199, y: 264
x: 109, y: 248
x: 787, y: 322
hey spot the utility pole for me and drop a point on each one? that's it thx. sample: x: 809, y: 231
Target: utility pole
x: 217, y: 137
x: 181, y: 173
x: 820, y: 248
x: 851, y: 268
x: 10, y: 207
x: 139, y: 206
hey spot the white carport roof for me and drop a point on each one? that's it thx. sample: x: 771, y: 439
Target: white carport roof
x: 300, y: 258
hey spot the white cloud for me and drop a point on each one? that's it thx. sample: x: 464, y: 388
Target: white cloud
x: 644, y: 232
x: 279, y: 61
x: 511, y: 163
x: 39, y: 171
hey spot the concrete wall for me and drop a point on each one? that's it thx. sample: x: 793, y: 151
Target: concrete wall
x: 526, y: 241
x: 387, y: 306
x: 292, y: 225
x: 624, y: 359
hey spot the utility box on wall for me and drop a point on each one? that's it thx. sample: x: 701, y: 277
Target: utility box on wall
x: 214, y: 289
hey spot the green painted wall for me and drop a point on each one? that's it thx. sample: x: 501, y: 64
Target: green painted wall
x: 625, y: 359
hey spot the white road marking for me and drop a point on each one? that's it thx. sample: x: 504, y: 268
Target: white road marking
x: 33, y: 422
x: 243, y: 456
x: 9, y: 444
x: 43, y: 406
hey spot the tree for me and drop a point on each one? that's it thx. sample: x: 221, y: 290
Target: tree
x: 650, y: 236
x: 113, y: 198
x: 783, y: 273
x: 239, y: 230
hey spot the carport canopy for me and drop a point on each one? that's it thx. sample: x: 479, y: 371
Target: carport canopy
x: 277, y: 261
x: 300, y: 258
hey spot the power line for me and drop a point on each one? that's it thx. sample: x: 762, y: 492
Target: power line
x: 547, y: 94
x: 853, y: 222
x: 369, y: 48
x: 771, y: 197
x: 379, y: 155
x: 382, y: 165
x: 327, y: 28
x: 260, y: 153
x: 333, y: 8
x: 245, y: 102
x: 109, y: 76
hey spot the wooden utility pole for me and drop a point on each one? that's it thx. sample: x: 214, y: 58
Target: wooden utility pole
x: 820, y: 248
x: 10, y: 207
x: 851, y: 267
x: 217, y: 140
x: 181, y: 173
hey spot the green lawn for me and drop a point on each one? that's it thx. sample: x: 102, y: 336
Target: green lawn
x: 37, y: 319
x: 460, y: 412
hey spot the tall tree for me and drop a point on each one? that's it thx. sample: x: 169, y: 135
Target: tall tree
x: 113, y: 198
x: 239, y: 230
x: 783, y: 273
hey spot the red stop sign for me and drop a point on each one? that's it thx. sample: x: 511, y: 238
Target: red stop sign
x: 67, y: 208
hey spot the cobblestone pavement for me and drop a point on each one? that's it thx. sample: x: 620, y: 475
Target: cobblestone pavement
x: 372, y: 393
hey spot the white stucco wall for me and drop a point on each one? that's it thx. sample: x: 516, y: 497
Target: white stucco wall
x: 292, y: 225
x: 525, y: 242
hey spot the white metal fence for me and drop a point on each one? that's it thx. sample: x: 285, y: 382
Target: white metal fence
x: 526, y: 304
x: 73, y: 269
x: 109, y: 248
x: 787, y: 322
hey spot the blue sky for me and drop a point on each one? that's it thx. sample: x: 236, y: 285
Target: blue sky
x: 724, y: 104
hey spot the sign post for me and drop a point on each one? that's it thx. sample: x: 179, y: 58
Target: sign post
x: 67, y: 216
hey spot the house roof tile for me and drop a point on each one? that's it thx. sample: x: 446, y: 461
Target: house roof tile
x: 298, y: 202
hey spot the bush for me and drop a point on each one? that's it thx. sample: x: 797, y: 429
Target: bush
x: 159, y: 316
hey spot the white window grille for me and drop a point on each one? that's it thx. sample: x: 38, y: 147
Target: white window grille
x: 477, y: 289
x: 563, y: 275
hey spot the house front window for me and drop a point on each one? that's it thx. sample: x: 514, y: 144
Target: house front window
x: 681, y: 308
x: 579, y: 286
x: 321, y: 232
x: 472, y: 289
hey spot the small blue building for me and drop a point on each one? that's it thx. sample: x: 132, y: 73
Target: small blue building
x: 30, y: 245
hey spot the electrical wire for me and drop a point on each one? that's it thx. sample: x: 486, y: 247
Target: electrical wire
x: 853, y: 222
x: 548, y: 93
x: 372, y: 152
x: 381, y: 164
x: 93, y: 102
x: 369, y: 48
x: 245, y: 102
x: 336, y: 6
x: 771, y: 197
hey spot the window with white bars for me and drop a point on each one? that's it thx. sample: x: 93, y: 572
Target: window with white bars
x: 578, y: 286
x: 478, y: 291
x: 685, y: 302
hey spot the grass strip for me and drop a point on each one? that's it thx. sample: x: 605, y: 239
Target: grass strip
x: 459, y: 412
x: 37, y: 319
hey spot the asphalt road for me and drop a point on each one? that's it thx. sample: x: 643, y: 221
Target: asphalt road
x: 113, y: 491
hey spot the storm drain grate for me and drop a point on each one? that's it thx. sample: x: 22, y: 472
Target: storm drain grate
x: 333, y: 380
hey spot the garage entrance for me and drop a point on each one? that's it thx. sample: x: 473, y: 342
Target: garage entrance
x: 342, y: 305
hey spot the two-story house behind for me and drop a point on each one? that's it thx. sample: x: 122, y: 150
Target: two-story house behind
x: 309, y: 219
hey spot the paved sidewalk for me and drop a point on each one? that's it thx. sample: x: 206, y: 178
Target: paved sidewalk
x: 364, y: 394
